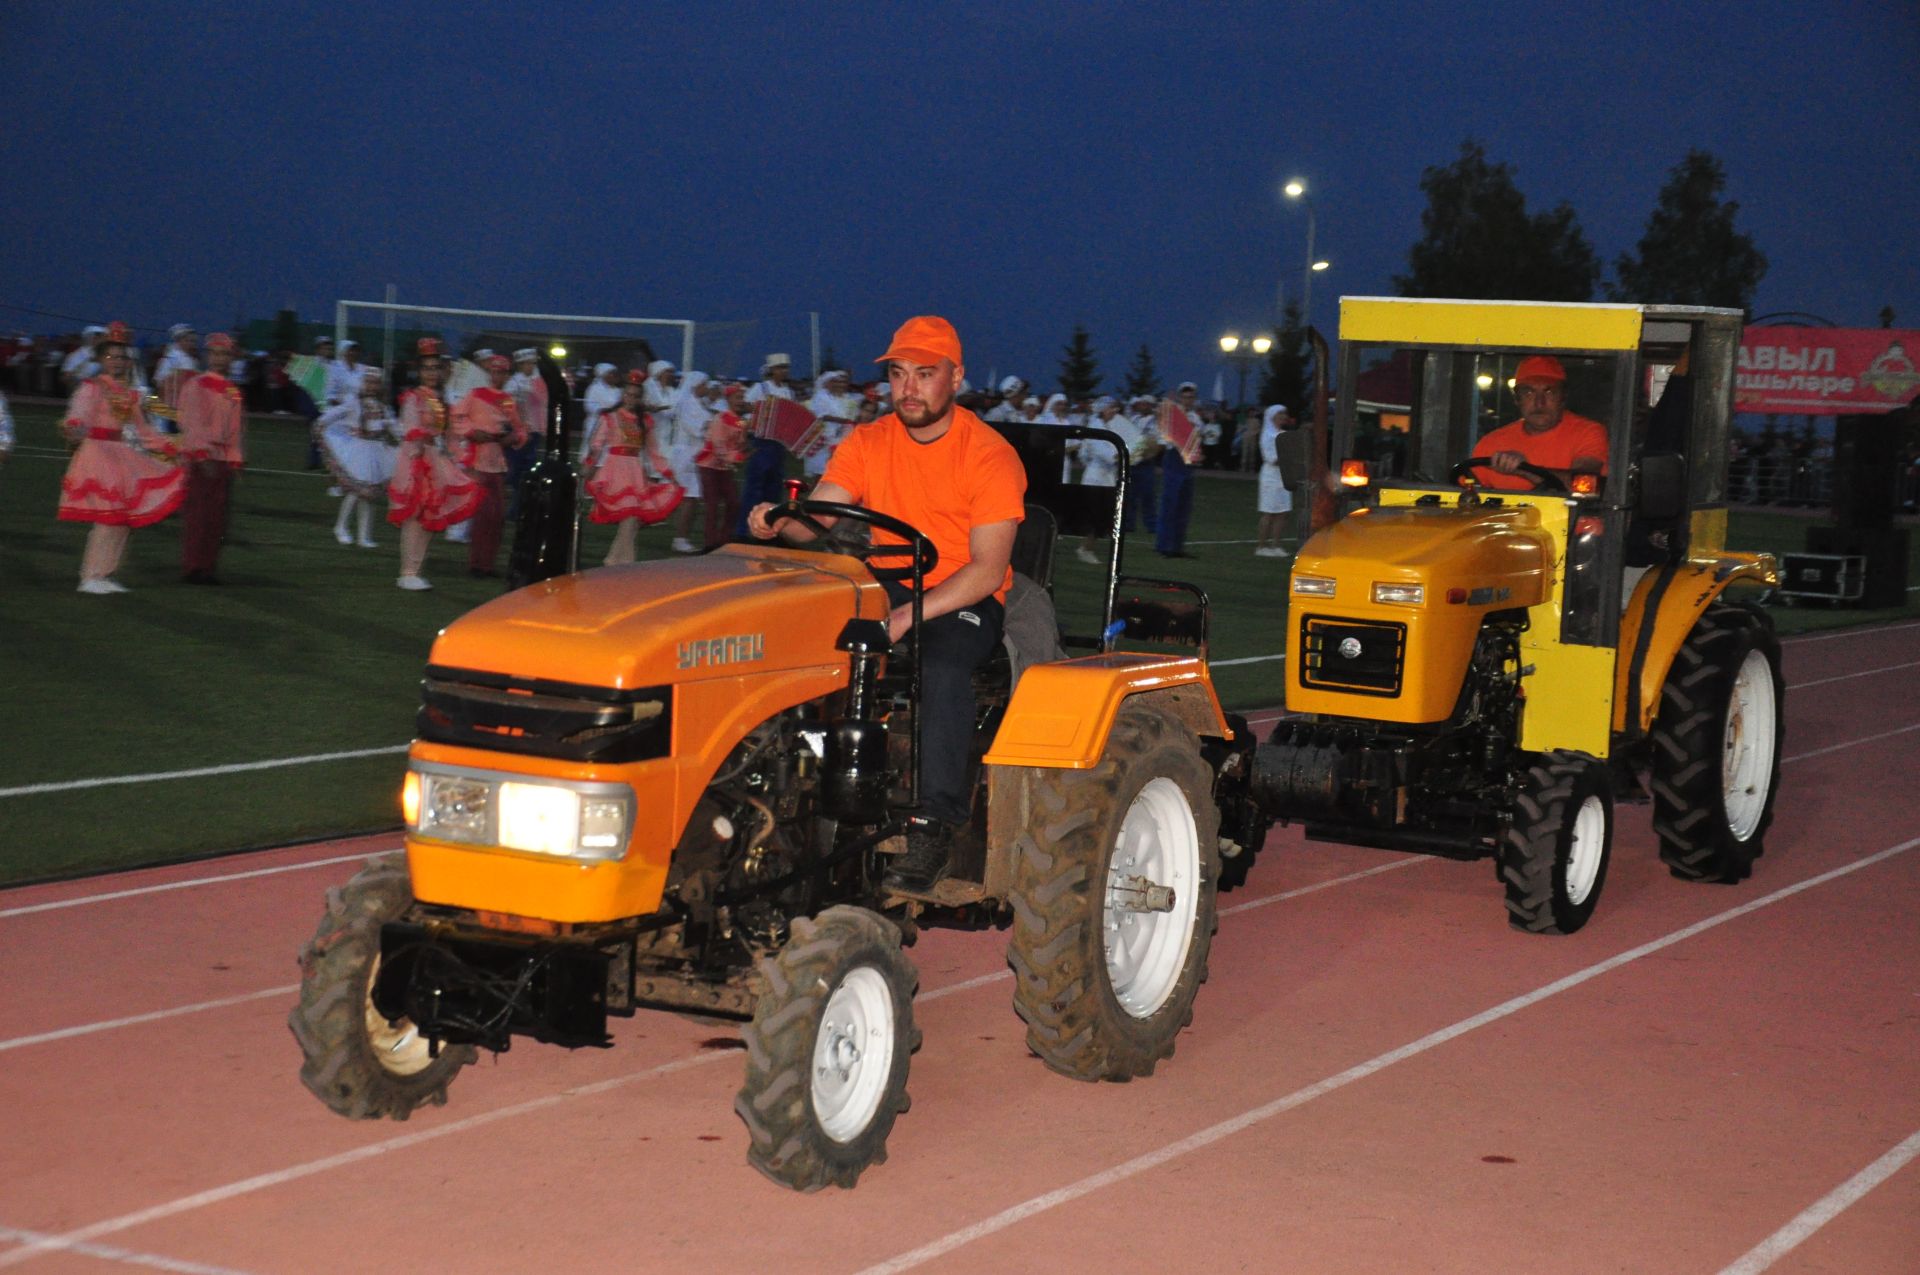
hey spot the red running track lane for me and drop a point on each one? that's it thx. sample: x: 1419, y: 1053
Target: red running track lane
x: 1668, y: 1114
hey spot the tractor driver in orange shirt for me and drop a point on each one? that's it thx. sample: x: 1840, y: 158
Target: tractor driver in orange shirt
x: 1547, y: 435
x: 937, y: 467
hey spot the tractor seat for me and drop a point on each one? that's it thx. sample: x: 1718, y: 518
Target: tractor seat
x: 1033, y: 546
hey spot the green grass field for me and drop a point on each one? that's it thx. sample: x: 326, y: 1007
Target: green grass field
x: 309, y: 648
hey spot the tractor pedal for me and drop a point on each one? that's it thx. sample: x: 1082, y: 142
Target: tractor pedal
x: 949, y: 893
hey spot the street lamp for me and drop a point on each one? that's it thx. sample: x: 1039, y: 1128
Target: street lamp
x: 1297, y: 189
x: 1244, y: 353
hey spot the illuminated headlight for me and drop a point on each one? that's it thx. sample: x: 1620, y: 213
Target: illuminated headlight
x: 569, y: 820
x: 1313, y: 586
x: 1400, y: 595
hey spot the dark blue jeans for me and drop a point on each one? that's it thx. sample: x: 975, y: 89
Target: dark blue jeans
x: 952, y: 646
x: 1176, y: 503
x: 760, y: 480
x: 1143, y: 496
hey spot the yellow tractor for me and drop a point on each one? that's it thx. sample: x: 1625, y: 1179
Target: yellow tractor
x: 676, y: 786
x: 1482, y: 673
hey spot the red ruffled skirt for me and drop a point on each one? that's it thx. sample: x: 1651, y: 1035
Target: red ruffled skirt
x: 622, y: 489
x: 110, y: 482
x: 427, y: 485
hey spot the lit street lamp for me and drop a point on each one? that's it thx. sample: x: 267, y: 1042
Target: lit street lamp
x: 1297, y: 189
x: 1244, y: 353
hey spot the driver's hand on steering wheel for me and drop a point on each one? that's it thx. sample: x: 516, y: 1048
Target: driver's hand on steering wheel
x: 1507, y: 462
x: 758, y: 525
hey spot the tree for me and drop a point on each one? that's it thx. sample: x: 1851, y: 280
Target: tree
x: 1079, y: 369
x: 1141, y: 376
x: 1691, y: 254
x: 1478, y: 241
x: 1286, y: 373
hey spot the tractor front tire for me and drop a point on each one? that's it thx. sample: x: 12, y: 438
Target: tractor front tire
x: 827, y: 1050
x: 1716, y: 746
x: 1113, y: 900
x: 357, y: 1062
x: 1558, y: 841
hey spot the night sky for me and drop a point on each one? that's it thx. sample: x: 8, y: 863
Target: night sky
x: 1019, y: 168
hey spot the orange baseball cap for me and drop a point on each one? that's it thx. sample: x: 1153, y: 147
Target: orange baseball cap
x: 1539, y: 367
x: 925, y: 338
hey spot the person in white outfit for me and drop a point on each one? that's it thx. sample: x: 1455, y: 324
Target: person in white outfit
x: 836, y: 411
x: 660, y: 400
x: 178, y: 364
x: 685, y: 432
x: 1057, y: 411
x: 357, y: 440
x: 1099, y: 463
x: 1276, y: 502
x: 601, y: 396
x: 774, y: 372
x: 1008, y: 408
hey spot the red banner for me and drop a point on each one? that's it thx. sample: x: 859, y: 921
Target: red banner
x: 1826, y: 371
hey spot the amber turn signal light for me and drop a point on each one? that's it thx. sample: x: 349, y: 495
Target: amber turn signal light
x: 1585, y: 484
x: 1353, y: 473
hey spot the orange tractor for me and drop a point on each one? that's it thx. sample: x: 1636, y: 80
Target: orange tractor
x: 676, y: 786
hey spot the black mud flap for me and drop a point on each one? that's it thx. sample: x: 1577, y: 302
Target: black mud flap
x: 484, y: 991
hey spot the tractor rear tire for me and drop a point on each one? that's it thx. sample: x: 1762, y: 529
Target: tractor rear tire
x: 357, y: 1062
x: 827, y: 1050
x: 1106, y: 962
x: 1716, y: 746
x: 1555, y: 850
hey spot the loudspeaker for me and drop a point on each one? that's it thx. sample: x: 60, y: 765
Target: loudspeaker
x: 1866, y: 470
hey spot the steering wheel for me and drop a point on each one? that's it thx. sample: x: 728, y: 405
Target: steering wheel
x: 1543, y: 479
x: 919, y: 552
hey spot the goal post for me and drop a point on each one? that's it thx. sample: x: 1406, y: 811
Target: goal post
x: 542, y: 328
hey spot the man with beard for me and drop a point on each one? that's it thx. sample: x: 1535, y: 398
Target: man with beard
x: 937, y: 467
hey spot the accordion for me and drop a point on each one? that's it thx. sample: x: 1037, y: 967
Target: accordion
x: 788, y: 424
x: 1179, y: 432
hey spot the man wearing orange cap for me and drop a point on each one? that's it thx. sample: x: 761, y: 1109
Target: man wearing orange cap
x: 937, y: 467
x: 1547, y: 435
x: 212, y: 435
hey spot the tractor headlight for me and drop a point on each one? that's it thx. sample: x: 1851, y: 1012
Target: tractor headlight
x: 1313, y: 586
x: 1400, y: 595
x: 582, y: 821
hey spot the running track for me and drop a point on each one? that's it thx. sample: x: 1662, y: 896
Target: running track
x: 1380, y: 1077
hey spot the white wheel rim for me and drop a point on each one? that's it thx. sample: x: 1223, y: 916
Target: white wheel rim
x: 1586, y: 850
x: 1146, y: 950
x: 400, y: 1047
x: 853, y: 1054
x: 1746, y: 758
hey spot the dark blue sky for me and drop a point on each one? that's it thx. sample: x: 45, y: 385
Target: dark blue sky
x: 1019, y: 168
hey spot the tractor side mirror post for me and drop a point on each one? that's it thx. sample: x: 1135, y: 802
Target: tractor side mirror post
x: 1663, y: 486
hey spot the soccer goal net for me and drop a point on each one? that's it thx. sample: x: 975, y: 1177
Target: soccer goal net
x: 387, y: 333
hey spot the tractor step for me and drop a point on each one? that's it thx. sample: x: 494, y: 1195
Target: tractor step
x: 944, y: 894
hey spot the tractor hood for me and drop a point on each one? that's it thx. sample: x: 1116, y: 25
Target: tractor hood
x: 740, y: 610
x: 1501, y: 555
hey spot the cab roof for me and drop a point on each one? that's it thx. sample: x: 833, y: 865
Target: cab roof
x: 1540, y: 325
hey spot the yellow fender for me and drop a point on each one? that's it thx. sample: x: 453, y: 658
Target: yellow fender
x: 1679, y: 595
x: 1060, y: 713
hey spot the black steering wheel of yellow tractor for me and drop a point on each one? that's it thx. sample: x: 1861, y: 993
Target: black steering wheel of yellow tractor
x: 1543, y: 479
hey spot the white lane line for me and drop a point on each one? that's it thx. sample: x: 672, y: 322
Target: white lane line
x: 111, y: 895
x: 1852, y: 743
x: 1850, y: 633
x: 1848, y: 677
x: 1247, y: 1119
x: 1824, y: 1210
x: 233, y: 768
x: 68, y: 1033
x: 152, y: 1261
x: 73, y: 1239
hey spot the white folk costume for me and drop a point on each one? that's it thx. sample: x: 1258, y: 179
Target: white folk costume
x: 843, y: 409
x: 1099, y: 465
x: 1274, y: 496
x: 600, y: 397
x: 1056, y: 413
x: 357, y: 444
x: 343, y: 382
x: 685, y: 432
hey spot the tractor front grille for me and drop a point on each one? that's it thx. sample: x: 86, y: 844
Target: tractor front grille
x: 542, y: 718
x: 1366, y: 657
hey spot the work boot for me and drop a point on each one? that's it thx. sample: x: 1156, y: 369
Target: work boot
x: 929, y: 854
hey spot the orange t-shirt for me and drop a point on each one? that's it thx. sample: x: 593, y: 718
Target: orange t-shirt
x: 968, y: 477
x: 1573, y: 438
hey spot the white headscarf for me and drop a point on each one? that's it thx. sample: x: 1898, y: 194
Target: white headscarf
x: 1277, y: 410
x: 1055, y: 412
x: 689, y: 409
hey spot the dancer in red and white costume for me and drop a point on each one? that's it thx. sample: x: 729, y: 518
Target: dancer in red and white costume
x: 429, y: 492
x: 482, y: 421
x: 629, y: 480
x: 111, y: 482
x: 213, y: 426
